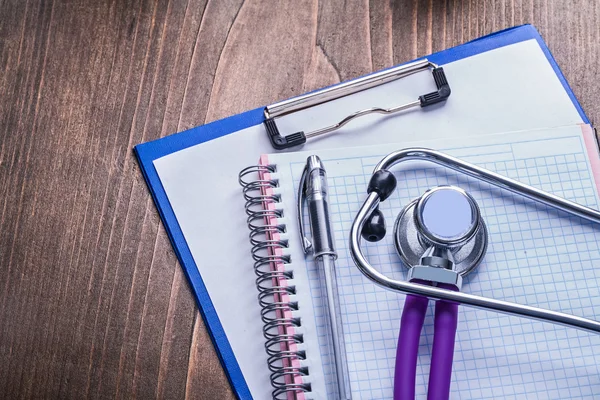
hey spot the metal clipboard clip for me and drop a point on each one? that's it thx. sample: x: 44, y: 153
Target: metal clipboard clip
x: 292, y: 105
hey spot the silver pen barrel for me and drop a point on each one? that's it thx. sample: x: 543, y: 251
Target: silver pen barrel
x: 325, y: 256
x: 326, y: 266
x: 318, y: 212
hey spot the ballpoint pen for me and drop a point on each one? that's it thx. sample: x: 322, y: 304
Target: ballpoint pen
x: 313, y: 191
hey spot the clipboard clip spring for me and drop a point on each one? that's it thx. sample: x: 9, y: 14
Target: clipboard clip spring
x: 292, y: 105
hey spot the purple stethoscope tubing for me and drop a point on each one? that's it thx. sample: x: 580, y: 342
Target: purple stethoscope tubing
x: 411, y: 324
x: 444, y: 334
x: 445, y: 324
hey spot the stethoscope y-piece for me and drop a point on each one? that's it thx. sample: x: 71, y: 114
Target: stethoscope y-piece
x: 312, y: 99
x: 370, y: 225
x: 441, y: 236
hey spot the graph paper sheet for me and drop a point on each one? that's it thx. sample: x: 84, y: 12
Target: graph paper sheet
x: 536, y: 256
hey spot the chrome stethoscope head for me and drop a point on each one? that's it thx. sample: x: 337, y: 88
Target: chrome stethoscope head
x: 418, y: 226
x: 442, y: 229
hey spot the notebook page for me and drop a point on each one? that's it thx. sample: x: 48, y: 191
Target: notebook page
x: 536, y: 256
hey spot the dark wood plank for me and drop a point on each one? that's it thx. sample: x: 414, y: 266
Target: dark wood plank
x: 265, y: 30
x: 92, y: 300
x: 380, y: 23
x: 343, y: 36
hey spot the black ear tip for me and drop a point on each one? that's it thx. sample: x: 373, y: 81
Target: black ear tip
x: 374, y: 228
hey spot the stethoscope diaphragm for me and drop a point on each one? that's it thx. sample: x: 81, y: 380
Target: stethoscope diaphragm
x: 444, y: 217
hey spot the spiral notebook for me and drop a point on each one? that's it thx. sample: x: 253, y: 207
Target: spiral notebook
x: 536, y: 256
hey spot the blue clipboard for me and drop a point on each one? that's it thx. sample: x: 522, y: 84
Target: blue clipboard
x: 148, y: 152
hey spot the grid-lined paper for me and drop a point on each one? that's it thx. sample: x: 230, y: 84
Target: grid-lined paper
x: 536, y: 256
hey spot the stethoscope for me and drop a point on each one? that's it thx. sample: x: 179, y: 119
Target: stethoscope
x: 441, y: 237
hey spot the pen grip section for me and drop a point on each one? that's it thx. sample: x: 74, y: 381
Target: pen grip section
x: 320, y: 226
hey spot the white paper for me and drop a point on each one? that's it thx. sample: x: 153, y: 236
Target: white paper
x: 507, y: 89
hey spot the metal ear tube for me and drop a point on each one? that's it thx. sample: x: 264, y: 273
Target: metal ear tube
x: 382, y: 185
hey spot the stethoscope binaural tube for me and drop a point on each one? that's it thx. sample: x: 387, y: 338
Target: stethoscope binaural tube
x: 411, y: 324
x: 442, y: 353
x: 377, y: 194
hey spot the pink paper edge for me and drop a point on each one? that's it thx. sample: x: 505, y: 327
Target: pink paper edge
x: 591, y: 146
x: 264, y: 160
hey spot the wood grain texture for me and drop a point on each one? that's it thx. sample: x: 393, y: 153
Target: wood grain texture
x: 93, y: 303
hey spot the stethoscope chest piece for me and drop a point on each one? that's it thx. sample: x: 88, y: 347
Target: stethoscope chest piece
x: 444, y: 219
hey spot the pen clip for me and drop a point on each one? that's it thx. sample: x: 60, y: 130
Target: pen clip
x: 306, y: 244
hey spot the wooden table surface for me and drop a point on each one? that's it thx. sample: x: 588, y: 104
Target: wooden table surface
x: 93, y: 302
